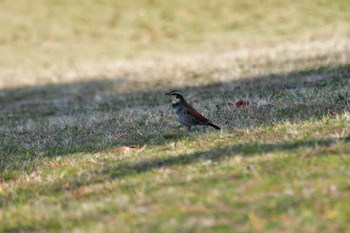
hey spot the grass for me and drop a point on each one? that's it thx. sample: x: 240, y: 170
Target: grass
x: 56, y: 33
x: 280, y: 164
x: 298, y: 184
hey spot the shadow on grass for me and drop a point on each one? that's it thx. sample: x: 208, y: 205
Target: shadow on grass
x: 215, y: 154
x: 111, y: 171
x: 26, y: 115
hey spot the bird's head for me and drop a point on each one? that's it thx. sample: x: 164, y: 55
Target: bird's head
x: 176, y: 96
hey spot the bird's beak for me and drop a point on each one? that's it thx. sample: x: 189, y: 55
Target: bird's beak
x: 167, y: 93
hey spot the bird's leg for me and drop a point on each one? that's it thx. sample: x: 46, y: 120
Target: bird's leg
x: 189, y: 128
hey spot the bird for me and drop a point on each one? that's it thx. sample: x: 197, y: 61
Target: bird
x: 185, y: 114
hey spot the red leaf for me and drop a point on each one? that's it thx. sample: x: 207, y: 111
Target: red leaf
x: 242, y: 103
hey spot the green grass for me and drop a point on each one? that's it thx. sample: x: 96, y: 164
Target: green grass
x: 236, y: 183
x: 280, y: 164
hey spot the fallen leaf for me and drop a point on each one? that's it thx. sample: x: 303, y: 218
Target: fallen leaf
x: 128, y: 149
x: 242, y: 103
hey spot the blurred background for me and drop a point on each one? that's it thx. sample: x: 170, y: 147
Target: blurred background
x: 57, y: 33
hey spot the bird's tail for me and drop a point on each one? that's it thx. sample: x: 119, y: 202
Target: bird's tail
x: 213, y: 125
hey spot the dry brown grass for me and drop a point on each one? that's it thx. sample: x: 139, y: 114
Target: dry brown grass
x: 186, y: 69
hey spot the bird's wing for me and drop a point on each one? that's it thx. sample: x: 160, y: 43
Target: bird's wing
x: 193, y: 112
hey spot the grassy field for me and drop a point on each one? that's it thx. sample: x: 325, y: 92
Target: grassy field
x: 52, y: 33
x: 88, y: 144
